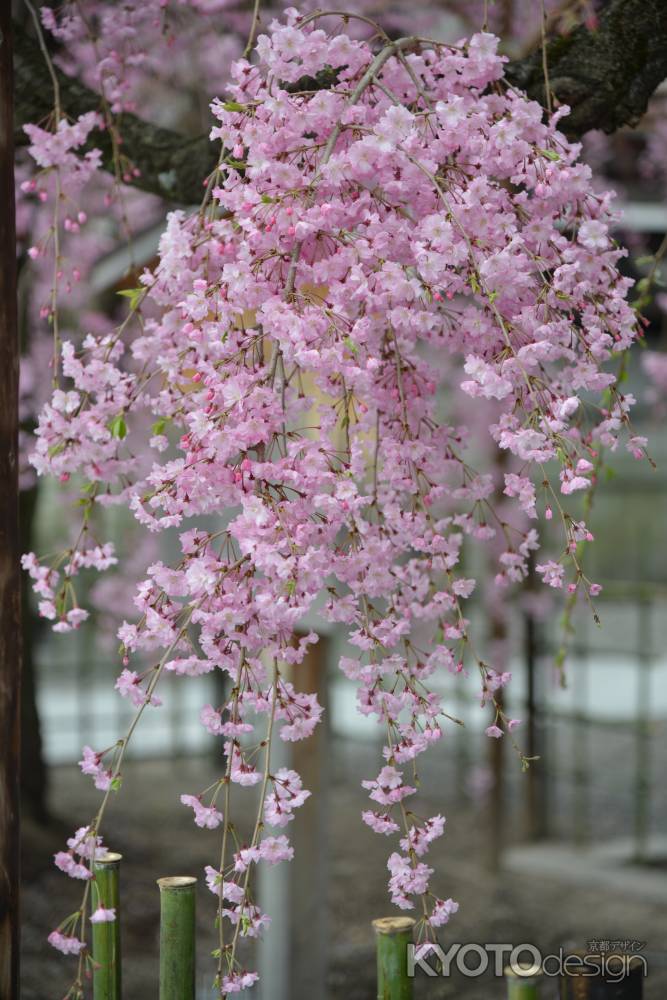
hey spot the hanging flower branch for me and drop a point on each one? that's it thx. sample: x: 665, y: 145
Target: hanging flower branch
x: 356, y: 247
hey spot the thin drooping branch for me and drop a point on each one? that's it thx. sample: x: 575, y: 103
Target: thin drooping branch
x: 606, y: 76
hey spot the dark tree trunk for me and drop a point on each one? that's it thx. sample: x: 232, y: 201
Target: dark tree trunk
x: 10, y: 582
x: 34, y: 775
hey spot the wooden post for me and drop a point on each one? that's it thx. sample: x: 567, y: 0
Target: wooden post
x: 604, y: 976
x: 293, y: 957
x: 177, y: 937
x: 536, y: 816
x: 496, y: 804
x: 581, y: 751
x: 106, y: 936
x: 495, y: 750
x: 10, y: 581
x: 643, y: 742
x: 309, y: 837
x: 392, y: 937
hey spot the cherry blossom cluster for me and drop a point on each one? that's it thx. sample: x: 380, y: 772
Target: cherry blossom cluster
x: 360, y: 242
x: 58, y: 598
x: 83, y: 846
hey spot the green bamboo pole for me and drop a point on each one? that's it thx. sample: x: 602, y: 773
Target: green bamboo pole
x: 106, y: 936
x: 177, y: 937
x: 393, y: 935
x: 523, y: 982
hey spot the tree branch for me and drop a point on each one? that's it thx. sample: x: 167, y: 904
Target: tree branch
x: 172, y: 166
x: 606, y: 76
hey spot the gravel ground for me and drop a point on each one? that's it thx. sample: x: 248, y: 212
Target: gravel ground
x: 156, y: 837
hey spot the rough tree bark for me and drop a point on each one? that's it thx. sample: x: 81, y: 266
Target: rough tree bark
x: 10, y: 580
x: 34, y: 772
x: 172, y: 166
x: 606, y: 76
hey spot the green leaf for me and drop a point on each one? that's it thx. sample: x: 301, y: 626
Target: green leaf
x: 549, y: 154
x: 133, y: 294
x: 234, y: 106
x: 118, y: 427
x: 159, y: 426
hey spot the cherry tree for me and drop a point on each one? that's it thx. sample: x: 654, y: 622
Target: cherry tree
x: 380, y: 219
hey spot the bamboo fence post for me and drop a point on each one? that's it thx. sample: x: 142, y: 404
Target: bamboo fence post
x: 523, y: 982
x: 177, y: 937
x: 393, y: 935
x: 106, y: 936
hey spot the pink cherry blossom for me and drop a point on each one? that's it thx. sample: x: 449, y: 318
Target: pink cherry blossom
x: 205, y: 816
x: 67, y: 944
x: 420, y: 231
